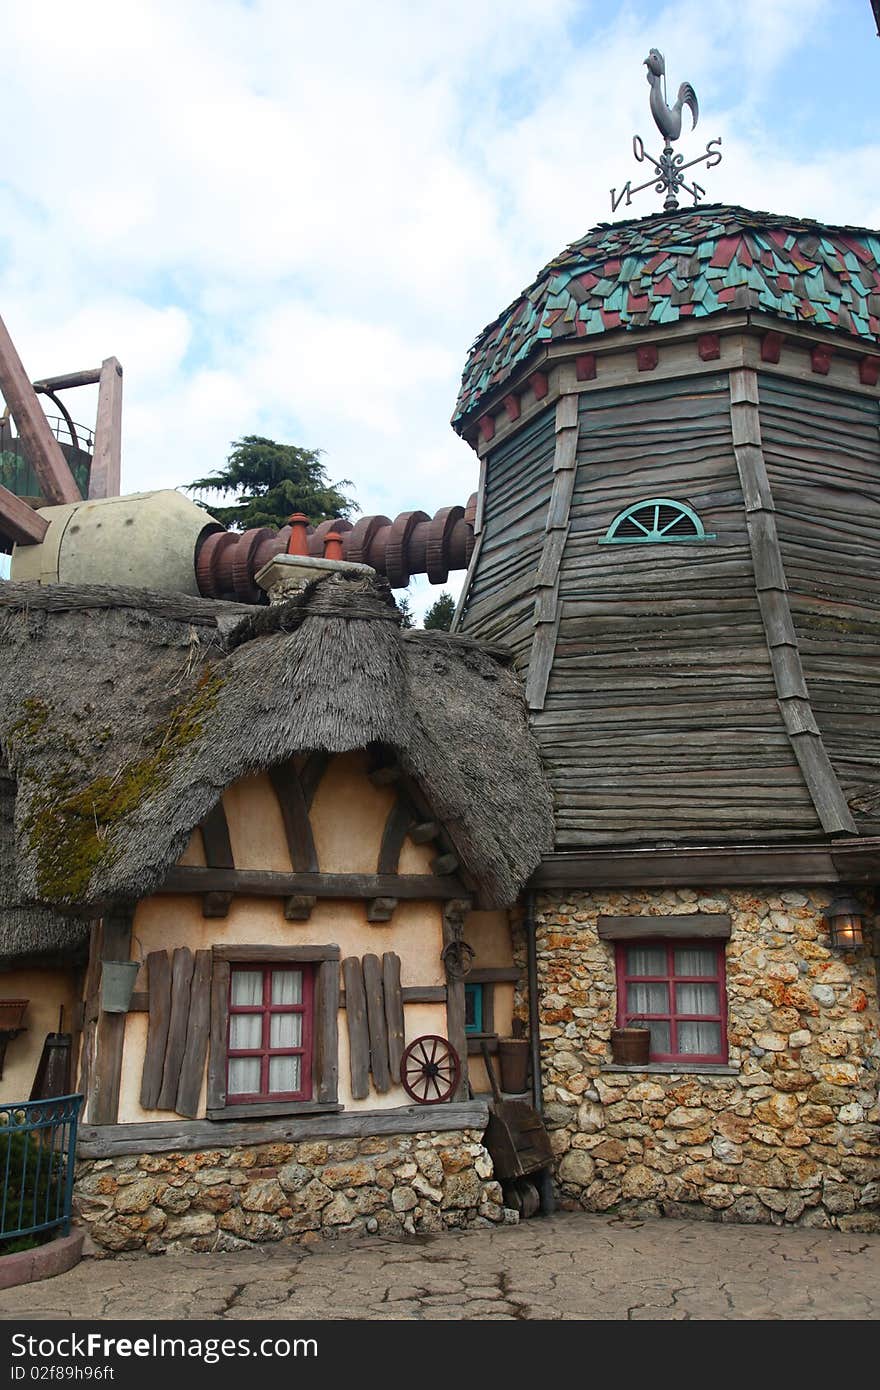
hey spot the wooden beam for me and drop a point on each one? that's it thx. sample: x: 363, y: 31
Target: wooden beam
x: 358, y: 1029
x: 168, y: 1136
x: 375, y: 996
x: 275, y: 954
x: 455, y: 1006
x: 297, y: 826
x: 104, y: 1104
x: 90, y: 377
x: 646, y: 926
x: 327, y: 1032
x: 19, y: 523
x: 394, y: 1018
x: 159, y: 1004
x: 190, y: 878
x: 381, y: 909
x: 41, y: 448
x: 182, y: 966
x: 708, y: 866
x: 189, y: 1086
x: 400, y: 818
x: 298, y: 907
x: 105, y: 477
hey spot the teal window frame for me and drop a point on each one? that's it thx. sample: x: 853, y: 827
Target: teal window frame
x: 656, y: 536
x: 474, y: 992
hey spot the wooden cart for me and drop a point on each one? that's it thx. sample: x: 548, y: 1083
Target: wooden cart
x: 519, y: 1147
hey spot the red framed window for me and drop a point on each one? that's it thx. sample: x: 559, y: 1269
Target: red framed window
x: 269, y: 1045
x: 678, y: 989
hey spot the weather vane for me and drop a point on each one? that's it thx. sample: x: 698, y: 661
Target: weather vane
x: 668, y: 176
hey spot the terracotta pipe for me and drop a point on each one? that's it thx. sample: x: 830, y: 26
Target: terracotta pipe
x: 298, y: 540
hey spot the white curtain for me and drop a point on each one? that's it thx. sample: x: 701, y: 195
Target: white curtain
x: 286, y: 986
x: 244, y: 1076
x: 284, y: 1074
x: 697, y: 960
x: 645, y: 960
x: 702, y: 1038
x: 245, y: 1032
x: 697, y: 999
x: 647, y: 998
x: 285, y: 1030
x: 247, y: 988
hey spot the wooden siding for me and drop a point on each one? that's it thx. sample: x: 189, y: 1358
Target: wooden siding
x: 519, y: 476
x: 822, y: 452
x: 661, y: 721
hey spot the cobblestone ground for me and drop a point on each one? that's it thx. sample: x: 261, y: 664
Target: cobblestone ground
x: 566, y: 1266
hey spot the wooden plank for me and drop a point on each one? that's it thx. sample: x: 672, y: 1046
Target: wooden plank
x: 110, y: 1034
x: 297, y: 826
x: 19, y: 523
x: 327, y: 1032
x: 734, y: 864
x: 375, y: 997
x: 159, y: 997
x: 89, y: 377
x: 819, y: 775
x: 423, y: 994
x: 267, y: 1108
x: 310, y: 775
x: 399, y: 820
x: 90, y: 1011
x: 193, y: 1067
x: 566, y: 412
x: 189, y: 878
x: 275, y: 954
x: 109, y: 1141
x: 182, y: 967
x: 541, y: 661
x: 105, y: 476
x: 394, y: 1019
x: 358, y: 1029
x: 495, y: 974
x: 219, y: 1034
x: 708, y: 925
x: 41, y: 448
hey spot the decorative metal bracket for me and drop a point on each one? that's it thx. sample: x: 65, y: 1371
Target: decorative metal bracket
x: 668, y: 174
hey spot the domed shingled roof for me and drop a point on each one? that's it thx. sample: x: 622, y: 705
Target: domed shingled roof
x: 672, y: 266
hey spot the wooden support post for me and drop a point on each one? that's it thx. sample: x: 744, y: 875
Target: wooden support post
x: 104, y: 1103
x: 19, y: 522
x: 105, y: 478
x: 453, y: 915
x: 42, y: 450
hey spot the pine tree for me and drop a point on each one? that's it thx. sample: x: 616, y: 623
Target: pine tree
x: 270, y: 481
x: 439, y: 616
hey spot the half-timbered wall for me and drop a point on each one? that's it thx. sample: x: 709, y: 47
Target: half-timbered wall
x: 822, y: 452
x: 660, y: 719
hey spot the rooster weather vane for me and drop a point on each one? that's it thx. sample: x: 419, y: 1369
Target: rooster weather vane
x: 668, y: 176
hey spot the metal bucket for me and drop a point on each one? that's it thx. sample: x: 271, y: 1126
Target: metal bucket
x: 631, y: 1046
x: 117, y: 984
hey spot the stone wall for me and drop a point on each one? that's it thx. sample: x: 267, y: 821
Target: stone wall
x: 791, y: 1136
x: 233, y: 1198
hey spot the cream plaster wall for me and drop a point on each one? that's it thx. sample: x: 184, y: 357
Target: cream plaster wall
x: 47, y: 991
x: 348, y: 817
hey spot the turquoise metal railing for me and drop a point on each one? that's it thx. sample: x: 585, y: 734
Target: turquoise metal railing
x: 37, y: 1157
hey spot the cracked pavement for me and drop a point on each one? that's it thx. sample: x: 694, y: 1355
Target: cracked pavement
x: 568, y: 1266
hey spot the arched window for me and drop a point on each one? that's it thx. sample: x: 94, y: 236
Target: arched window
x: 659, y: 519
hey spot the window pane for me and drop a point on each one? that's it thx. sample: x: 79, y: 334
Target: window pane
x: 660, y: 1037
x: 646, y: 960
x: 245, y: 1031
x: 697, y: 999
x: 647, y: 999
x: 285, y: 1030
x: 244, y: 1076
x: 699, y: 1037
x: 247, y: 987
x: 286, y: 986
x: 696, y: 960
x: 284, y: 1074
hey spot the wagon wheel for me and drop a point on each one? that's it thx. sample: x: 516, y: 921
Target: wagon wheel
x: 430, y: 1070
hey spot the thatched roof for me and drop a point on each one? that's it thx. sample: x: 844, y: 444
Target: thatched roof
x: 124, y: 714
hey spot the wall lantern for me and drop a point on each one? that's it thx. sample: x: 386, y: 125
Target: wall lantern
x: 844, y: 918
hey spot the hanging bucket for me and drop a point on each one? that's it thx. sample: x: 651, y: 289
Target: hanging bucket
x: 631, y: 1046
x: 117, y: 984
x: 12, y: 1013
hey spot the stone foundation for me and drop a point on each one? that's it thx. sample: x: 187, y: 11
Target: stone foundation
x: 790, y: 1137
x: 235, y: 1198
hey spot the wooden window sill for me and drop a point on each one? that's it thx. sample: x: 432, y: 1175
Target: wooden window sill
x: 675, y: 1068
x: 263, y: 1110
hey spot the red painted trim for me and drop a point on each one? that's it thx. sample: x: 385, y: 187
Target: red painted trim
x: 585, y: 366
x: 709, y: 346
x: 771, y: 347
x: 486, y: 425
x: 265, y: 1051
x: 540, y: 384
x: 820, y: 357
x: 512, y: 406
x: 869, y: 371
x: 647, y: 357
x: 670, y: 979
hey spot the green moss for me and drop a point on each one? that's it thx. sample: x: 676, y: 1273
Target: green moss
x: 34, y: 716
x: 70, y: 825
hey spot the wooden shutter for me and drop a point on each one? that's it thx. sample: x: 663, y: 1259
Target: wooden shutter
x: 327, y: 1031
x: 358, y: 1030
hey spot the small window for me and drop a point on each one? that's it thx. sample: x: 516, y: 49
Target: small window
x: 270, y: 1033
x: 473, y: 1008
x: 659, y: 519
x: 678, y: 989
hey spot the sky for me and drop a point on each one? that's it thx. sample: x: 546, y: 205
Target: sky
x: 292, y: 219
